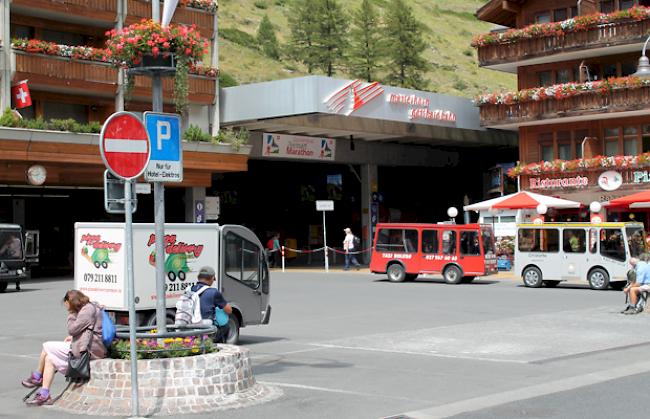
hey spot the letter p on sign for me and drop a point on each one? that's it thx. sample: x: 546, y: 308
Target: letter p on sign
x: 163, y: 133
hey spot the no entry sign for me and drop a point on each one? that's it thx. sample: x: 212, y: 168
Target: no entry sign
x: 124, y: 145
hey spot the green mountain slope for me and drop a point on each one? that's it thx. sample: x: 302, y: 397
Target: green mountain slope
x: 450, y: 25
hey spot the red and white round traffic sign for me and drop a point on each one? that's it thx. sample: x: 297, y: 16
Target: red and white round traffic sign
x: 124, y: 145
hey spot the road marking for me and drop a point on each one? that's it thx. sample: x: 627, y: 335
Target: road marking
x: 286, y: 353
x: 564, y: 384
x: 340, y: 391
x: 33, y: 356
x: 436, y: 355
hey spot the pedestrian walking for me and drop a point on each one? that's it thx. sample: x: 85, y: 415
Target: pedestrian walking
x: 85, y: 334
x: 349, y: 246
x: 273, y: 250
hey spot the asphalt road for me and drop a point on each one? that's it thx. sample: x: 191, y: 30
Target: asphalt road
x: 352, y: 345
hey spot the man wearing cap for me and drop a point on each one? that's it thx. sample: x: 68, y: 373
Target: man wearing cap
x: 348, y: 246
x: 210, y: 299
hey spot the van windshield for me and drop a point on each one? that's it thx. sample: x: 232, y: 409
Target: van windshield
x: 488, y: 241
x: 11, y: 245
x: 636, y: 241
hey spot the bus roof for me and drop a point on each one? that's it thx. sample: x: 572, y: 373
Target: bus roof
x: 431, y: 225
x: 612, y: 224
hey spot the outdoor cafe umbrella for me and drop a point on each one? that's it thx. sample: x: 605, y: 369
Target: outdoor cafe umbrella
x: 637, y: 200
x: 522, y: 200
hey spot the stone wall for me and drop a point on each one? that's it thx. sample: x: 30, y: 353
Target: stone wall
x: 203, y: 383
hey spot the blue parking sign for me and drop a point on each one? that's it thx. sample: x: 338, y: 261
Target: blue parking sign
x: 166, y: 162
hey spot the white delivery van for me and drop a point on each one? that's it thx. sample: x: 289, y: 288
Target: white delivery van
x: 234, y: 252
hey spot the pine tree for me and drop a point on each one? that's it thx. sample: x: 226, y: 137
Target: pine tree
x: 267, y: 40
x: 303, y: 24
x: 331, y: 39
x: 405, y: 47
x: 366, y: 44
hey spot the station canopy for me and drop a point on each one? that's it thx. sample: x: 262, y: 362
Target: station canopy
x: 318, y: 106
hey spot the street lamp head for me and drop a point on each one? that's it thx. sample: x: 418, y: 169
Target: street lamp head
x: 643, y: 68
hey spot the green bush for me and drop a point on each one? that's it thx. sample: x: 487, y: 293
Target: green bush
x: 38, y: 123
x: 194, y: 133
x: 10, y: 119
x: 226, y: 80
x: 261, y: 4
x: 239, y: 37
x: 236, y: 138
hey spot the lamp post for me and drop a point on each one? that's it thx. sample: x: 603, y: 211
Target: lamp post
x: 643, y: 68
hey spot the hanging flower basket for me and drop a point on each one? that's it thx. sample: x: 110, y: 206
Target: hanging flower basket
x: 148, y: 47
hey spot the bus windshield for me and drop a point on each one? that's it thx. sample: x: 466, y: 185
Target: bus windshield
x: 11, y: 245
x: 488, y: 241
x: 636, y: 241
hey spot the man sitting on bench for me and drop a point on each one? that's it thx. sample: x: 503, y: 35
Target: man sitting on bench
x: 641, y: 285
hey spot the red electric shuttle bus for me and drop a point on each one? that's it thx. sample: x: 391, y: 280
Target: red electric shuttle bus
x: 458, y: 251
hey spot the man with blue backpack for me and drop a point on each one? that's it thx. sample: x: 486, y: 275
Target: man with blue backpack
x: 214, y: 308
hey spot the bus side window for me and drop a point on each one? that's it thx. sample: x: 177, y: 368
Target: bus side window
x: 611, y: 244
x: 430, y: 241
x: 469, y: 244
x: 593, y: 240
x: 574, y: 240
x: 448, y: 242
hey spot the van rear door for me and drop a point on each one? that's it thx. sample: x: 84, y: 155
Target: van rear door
x: 243, y: 279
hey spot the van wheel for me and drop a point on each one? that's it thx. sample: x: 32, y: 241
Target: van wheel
x: 551, y: 284
x: 598, y: 279
x: 532, y: 277
x: 396, y: 273
x: 3, y: 286
x: 411, y: 277
x: 452, y: 274
x: 233, y: 332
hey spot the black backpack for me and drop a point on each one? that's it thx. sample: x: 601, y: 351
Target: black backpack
x: 356, y: 242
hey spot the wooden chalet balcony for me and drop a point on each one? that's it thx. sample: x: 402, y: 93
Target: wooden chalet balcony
x: 620, y: 37
x: 54, y: 73
x: 58, y: 74
x: 204, y: 21
x: 583, y: 106
x: 95, y: 10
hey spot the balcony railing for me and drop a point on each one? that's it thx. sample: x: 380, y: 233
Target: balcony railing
x: 57, y: 73
x: 92, y: 77
x: 605, y: 35
x: 100, y: 10
x: 140, y: 9
x: 583, y: 104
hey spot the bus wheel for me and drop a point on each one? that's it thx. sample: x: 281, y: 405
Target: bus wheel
x: 233, y: 332
x: 532, y: 277
x: 411, y: 277
x: 396, y: 273
x: 3, y: 286
x: 452, y: 274
x: 551, y: 284
x: 598, y: 279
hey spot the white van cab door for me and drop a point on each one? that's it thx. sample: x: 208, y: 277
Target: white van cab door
x: 242, y: 272
x: 574, y: 253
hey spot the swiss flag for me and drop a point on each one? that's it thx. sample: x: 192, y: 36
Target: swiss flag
x: 20, y: 93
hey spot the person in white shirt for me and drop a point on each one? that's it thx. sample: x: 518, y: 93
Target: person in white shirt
x: 348, y: 246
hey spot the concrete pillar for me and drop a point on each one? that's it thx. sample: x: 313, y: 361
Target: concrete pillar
x: 195, y: 205
x: 5, y: 56
x: 214, y: 62
x: 19, y: 211
x: 369, y: 208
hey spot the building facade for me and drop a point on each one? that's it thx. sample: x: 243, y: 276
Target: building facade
x: 36, y: 37
x: 582, y: 119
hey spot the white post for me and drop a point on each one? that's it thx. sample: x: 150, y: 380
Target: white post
x: 327, y: 263
x: 282, y: 258
x: 128, y: 221
x: 5, y: 56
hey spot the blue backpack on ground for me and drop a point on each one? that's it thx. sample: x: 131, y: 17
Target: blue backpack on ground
x: 108, y: 329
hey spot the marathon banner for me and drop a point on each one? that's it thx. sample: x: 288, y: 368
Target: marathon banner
x: 298, y: 147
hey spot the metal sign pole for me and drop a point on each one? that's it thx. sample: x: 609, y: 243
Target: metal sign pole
x: 159, y: 202
x: 327, y: 263
x: 135, y: 405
